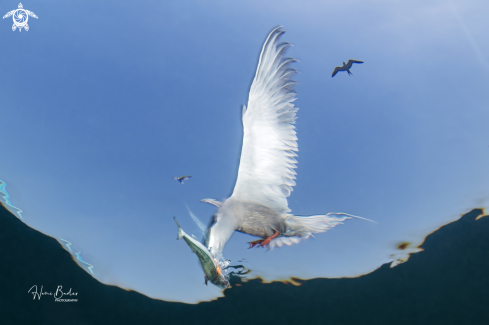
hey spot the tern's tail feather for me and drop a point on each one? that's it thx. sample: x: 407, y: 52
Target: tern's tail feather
x: 299, y: 228
x: 305, y: 226
x: 180, y: 231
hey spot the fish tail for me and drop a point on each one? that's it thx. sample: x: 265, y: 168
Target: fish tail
x: 180, y: 231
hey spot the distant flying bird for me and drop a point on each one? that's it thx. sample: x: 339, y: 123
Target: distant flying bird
x: 181, y: 178
x: 346, y: 67
x: 258, y: 205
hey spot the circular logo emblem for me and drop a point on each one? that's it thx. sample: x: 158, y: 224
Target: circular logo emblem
x: 20, y: 18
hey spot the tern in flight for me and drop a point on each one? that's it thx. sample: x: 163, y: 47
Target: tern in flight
x: 258, y: 205
x: 181, y: 178
x: 346, y: 67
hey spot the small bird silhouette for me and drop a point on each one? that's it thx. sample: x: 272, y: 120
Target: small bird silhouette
x: 346, y: 67
x: 181, y: 178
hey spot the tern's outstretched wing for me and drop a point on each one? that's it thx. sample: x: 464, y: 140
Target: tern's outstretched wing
x: 335, y: 71
x: 30, y: 13
x: 266, y: 169
x: 8, y: 14
x: 350, y: 63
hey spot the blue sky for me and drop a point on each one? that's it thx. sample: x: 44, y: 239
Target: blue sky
x: 103, y: 102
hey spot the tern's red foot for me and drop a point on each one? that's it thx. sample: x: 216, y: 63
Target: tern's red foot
x: 269, y: 239
x: 255, y: 242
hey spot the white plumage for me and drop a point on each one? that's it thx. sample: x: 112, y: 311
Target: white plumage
x: 266, y: 169
x: 258, y: 205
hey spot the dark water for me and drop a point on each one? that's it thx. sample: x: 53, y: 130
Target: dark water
x: 447, y: 283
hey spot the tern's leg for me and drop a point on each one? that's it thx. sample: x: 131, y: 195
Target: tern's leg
x: 255, y: 242
x: 263, y: 242
x: 269, y: 239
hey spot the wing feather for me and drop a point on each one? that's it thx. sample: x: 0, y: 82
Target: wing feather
x: 335, y: 71
x: 351, y: 61
x: 289, y: 241
x: 266, y: 169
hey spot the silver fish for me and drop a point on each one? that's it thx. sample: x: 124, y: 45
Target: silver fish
x: 209, y: 264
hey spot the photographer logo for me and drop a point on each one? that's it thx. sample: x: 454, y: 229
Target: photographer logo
x: 59, y: 295
x: 20, y: 17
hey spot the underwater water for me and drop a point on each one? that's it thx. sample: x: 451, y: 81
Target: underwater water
x: 445, y: 283
x: 102, y: 106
